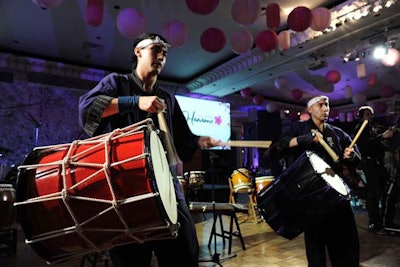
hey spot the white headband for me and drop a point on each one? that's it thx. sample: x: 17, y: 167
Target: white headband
x: 316, y: 99
x: 146, y: 42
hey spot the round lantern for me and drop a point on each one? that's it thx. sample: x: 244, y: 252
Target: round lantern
x: 359, y: 98
x: 258, y: 99
x: 333, y: 76
x: 386, y: 91
x: 272, y: 107
x: 392, y: 58
x: 267, y: 40
x: 203, y: 7
x: 304, y: 116
x: 94, y: 12
x: 299, y: 19
x: 361, y: 71
x: 380, y: 107
x: 273, y: 16
x: 241, y: 41
x: 280, y: 82
x: 47, y: 3
x: 321, y: 18
x: 246, y: 92
x: 176, y: 33
x: 245, y: 12
x: 372, y: 77
x: 213, y: 40
x: 131, y: 23
x: 284, y: 40
x: 296, y: 94
x: 348, y: 92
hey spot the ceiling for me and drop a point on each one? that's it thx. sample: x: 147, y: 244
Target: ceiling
x: 61, y: 34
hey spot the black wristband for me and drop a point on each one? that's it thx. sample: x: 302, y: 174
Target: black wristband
x: 305, y: 139
x: 127, y: 103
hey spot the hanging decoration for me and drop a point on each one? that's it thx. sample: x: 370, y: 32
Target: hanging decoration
x: 361, y: 71
x: 296, y: 94
x: 348, y: 92
x: 246, y: 12
x: 273, y: 16
x: 333, y: 76
x: 203, y: 7
x: 47, y: 3
x: 321, y: 18
x: 131, y: 23
x: 267, y: 40
x: 284, y: 40
x: 333, y: 113
x: 372, y: 78
x: 392, y: 58
x: 342, y: 116
x: 258, y: 99
x: 176, y: 32
x: 305, y: 116
x: 272, y: 107
x: 386, y: 91
x: 299, y: 19
x: 350, y: 116
x: 280, y: 82
x: 246, y: 92
x: 213, y: 40
x: 380, y: 107
x: 94, y: 12
x: 359, y: 98
x: 241, y: 41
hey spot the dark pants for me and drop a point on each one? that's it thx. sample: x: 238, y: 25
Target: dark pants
x: 182, y: 251
x: 338, y: 233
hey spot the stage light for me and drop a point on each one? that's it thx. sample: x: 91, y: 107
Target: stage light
x: 380, y: 51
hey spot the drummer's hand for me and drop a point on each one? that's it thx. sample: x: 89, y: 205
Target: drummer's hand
x: 152, y: 104
x: 348, y: 153
x: 207, y: 142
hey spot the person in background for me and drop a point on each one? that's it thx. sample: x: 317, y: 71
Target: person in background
x: 120, y: 100
x: 337, y: 231
x: 372, y: 164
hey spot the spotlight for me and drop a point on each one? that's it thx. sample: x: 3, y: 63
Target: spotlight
x: 380, y: 51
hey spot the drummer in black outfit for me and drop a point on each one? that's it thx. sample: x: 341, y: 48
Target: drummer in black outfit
x: 337, y: 230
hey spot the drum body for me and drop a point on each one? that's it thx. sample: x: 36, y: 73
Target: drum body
x: 241, y: 179
x: 94, y: 194
x: 8, y: 212
x: 195, y: 179
x: 301, y: 196
x: 263, y: 181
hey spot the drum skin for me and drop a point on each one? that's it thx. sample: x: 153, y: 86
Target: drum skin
x: 241, y: 179
x: 7, y: 210
x: 263, y: 181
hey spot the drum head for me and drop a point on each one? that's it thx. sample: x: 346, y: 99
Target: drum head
x: 163, y: 177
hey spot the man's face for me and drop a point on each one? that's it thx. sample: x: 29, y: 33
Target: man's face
x: 151, y: 58
x: 319, y: 110
x: 367, y: 115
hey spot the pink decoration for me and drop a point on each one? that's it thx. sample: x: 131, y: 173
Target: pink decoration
x: 359, y: 98
x: 342, y: 116
x: 296, y: 94
x: 386, y: 91
x: 380, y: 107
x: 272, y: 107
x: 47, y: 3
x: 280, y: 82
x: 361, y: 71
x: 246, y: 92
x: 267, y: 40
x: 94, y: 12
x: 392, y: 58
x: 131, y: 23
x: 258, y: 99
x: 284, y: 40
x: 176, y: 33
x: 372, y: 77
x: 348, y: 92
x: 202, y: 7
x: 321, y: 18
x: 350, y: 116
x: 304, y: 116
x: 300, y: 19
x: 333, y: 76
x: 245, y: 12
x: 241, y: 41
x: 213, y: 40
x: 273, y: 16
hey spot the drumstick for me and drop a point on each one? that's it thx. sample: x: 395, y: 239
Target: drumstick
x: 172, y: 155
x: 328, y: 149
x: 358, y: 133
x: 239, y: 143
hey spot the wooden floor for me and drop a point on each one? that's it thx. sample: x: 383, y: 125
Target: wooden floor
x: 263, y: 247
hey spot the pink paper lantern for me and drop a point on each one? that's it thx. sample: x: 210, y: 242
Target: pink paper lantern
x: 131, y: 23
x: 94, y: 12
x: 296, y: 94
x: 333, y: 76
x: 284, y: 40
x: 321, y: 18
x: 280, y: 82
x: 304, y: 116
x: 361, y: 71
x: 272, y: 107
x: 299, y: 19
x: 348, y: 92
x: 47, y: 3
x: 245, y: 12
x: 380, y: 107
x: 392, y: 58
x: 386, y: 91
x: 246, y: 92
x: 372, y: 78
x: 241, y: 41
x: 176, y: 32
x: 213, y: 40
x: 258, y: 99
x: 273, y: 16
x: 267, y: 40
x: 202, y: 7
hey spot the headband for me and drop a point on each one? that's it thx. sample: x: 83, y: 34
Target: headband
x: 146, y: 42
x: 316, y: 99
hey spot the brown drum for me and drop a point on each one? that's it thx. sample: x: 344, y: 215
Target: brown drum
x: 7, y: 210
x: 94, y: 194
x: 263, y: 181
x: 241, y: 179
x: 196, y: 179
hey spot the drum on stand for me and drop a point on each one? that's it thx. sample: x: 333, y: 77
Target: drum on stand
x: 301, y: 196
x: 241, y: 179
x: 195, y: 179
x: 94, y: 194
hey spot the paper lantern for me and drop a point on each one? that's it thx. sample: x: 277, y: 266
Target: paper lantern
x: 333, y: 76
x: 380, y: 107
x: 372, y: 78
x: 386, y: 91
x: 350, y: 116
x: 304, y: 116
x: 203, y: 7
x: 359, y: 98
x: 361, y: 71
x: 245, y: 12
x: 213, y: 40
x: 94, y: 12
x: 342, y: 116
x: 131, y: 23
x: 241, y: 41
x: 280, y: 82
x: 348, y: 92
x: 47, y: 3
x: 296, y: 94
x: 176, y: 32
x: 392, y: 58
x: 321, y: 18
x: 246, y: 92
x: 299, y: 19
x: 284, y: 40
x: 258, y: 99
x: 267, y: 40
x: 273, y: 16
x: 272, y: 107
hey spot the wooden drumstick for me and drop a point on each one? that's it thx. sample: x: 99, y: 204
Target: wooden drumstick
x: 172, y: 155
x: 328, y: 149
x: 365, y: 122
x: 250, y: 143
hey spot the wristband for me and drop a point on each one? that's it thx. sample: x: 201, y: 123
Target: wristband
x: 305, y: 139
x: 127, y: 103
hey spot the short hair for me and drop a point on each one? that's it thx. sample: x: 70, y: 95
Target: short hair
x: 141, y: 38
x: 362, y: 109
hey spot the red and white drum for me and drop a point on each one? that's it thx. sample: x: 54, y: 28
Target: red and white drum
x: 94, y: 194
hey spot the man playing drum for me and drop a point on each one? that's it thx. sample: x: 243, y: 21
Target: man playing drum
x: 337, y: 230
x: 120, y: 100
